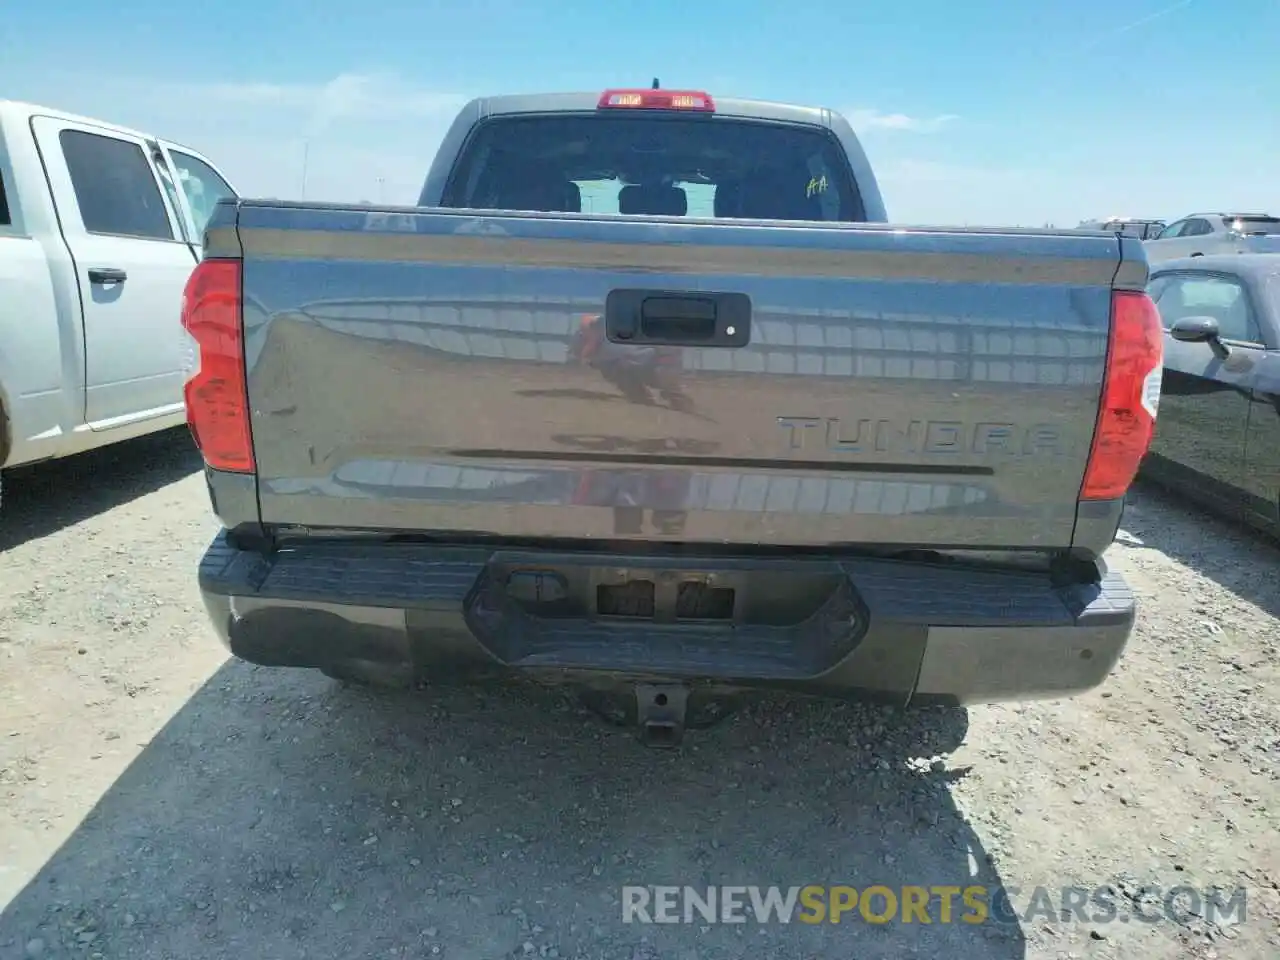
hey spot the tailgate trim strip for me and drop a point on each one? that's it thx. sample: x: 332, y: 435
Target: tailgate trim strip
x: 752, y: 463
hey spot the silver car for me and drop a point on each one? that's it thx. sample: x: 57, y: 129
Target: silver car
x: 1201, y: 234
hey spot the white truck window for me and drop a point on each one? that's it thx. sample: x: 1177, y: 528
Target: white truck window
x: 202, y: 186
x: 115, y: 188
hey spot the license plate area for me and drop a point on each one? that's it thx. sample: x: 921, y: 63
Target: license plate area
x: 638, y: 599
x: 686, y: 616
x: 711, y: 592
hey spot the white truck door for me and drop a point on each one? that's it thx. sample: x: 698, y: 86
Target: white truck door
x: 200, y: 185
x: 132, y: 263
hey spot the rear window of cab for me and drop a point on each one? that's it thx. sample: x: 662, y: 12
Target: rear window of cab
x: 656, y: 164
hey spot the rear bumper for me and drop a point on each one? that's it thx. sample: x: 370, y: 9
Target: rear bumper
x: 893, y: 630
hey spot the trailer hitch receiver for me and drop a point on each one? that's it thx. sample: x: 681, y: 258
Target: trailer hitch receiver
x: 660, y: 713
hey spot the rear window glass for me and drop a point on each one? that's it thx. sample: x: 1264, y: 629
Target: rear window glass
x: 655, y: 164
x: 1254, y: 226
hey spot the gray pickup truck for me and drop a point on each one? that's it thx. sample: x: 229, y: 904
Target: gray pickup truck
x: 646, y: 397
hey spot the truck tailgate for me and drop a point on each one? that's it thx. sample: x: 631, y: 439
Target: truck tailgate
x: 451, y: 371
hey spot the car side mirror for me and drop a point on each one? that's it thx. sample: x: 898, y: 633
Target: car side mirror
x: 1200, y: 330
x: 1195, y: 329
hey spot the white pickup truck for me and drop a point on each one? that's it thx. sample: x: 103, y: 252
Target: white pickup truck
x: 100, y: 228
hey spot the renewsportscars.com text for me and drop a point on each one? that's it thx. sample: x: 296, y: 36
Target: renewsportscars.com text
x: 972, y: 904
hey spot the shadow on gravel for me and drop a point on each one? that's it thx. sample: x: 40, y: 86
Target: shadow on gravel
x: 279, y: 815
x: 45, y: 497
x: 1187, y: 532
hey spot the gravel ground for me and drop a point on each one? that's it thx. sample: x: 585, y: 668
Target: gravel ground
x: 158, y: 800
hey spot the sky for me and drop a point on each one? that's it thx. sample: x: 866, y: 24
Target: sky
x: 995, y: 112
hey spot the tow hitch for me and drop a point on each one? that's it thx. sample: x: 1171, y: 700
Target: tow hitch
x: 660, y: 713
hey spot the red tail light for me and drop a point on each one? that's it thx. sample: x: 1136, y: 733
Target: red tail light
x: 1130, y: 397
x: 657, y: 100
x: 216, y: 393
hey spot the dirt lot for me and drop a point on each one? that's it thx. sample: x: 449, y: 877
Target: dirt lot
x: 157, y: 800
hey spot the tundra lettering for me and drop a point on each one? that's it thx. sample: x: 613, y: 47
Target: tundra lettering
x: 923, y: 436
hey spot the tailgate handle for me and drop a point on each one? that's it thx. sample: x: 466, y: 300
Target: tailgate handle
x: 678, y: 318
